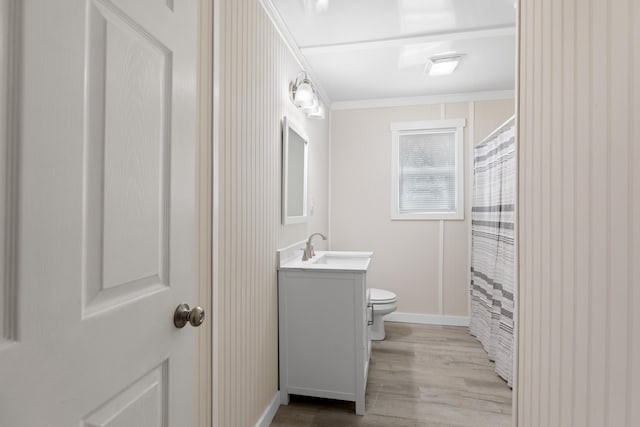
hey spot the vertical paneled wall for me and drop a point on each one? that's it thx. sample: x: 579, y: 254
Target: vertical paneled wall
x: 255, y: 68
x: 579, y: 362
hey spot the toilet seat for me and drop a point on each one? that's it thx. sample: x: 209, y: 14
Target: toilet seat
x: 381, y: 296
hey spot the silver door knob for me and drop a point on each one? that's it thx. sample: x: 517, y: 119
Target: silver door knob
x: 184, y: 315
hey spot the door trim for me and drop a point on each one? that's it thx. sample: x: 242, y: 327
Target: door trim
x: 516, y: 287
x: 10, y: 84
x: 203, y: 366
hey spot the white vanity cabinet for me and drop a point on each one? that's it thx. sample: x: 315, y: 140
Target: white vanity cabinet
x: 323, y: 314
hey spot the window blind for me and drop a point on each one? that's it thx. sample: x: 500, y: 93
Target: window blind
x: 427, y: 172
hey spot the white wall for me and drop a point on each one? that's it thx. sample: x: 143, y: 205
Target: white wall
x: 255, y: 70
x: 429, y: 276
x: 579, y: 361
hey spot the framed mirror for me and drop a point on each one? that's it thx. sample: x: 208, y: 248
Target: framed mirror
x: 294, y: 173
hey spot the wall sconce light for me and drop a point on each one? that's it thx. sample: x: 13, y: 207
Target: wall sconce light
x: 305, y: 97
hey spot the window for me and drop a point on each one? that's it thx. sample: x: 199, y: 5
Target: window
x: 427, y: 170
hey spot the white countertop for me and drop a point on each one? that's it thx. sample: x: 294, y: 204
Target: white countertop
x: 330, y: 261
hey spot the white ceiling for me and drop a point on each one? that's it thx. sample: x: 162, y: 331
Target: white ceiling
x: 374, y: 49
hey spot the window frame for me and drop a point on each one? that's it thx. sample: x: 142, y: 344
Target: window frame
x: 398, y: 129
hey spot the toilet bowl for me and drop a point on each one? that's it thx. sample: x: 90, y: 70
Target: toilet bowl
x: 382, y: 303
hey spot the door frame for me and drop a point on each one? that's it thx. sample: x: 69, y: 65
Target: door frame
x: 516, y: 288
x: 207, y: 121
x: 204, y: 403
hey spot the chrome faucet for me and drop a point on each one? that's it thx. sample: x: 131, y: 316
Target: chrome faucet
x: 308, y: 249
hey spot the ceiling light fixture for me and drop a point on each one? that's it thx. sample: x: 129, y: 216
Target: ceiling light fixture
x: 304, y: 96
x: 442, y: 65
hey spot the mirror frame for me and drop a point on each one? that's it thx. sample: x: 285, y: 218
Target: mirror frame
x: 289, y: 126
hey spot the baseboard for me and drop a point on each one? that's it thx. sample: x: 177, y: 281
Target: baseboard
x: 427, y: 319
x: 270, y: 411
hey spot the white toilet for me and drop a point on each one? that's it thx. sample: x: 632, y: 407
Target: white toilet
x: 383, y: 303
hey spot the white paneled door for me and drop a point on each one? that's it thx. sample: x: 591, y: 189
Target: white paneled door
x: 98, y: 202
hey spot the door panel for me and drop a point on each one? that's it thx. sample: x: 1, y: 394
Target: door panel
x: 106, y: 231
x: 142, y: 404
x: 126, y: 168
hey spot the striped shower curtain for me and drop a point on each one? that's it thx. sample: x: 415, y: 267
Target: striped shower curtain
x: 493, y: 249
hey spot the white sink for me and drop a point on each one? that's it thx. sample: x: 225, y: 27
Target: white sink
x: 332, y: 260
x: 341, y: 259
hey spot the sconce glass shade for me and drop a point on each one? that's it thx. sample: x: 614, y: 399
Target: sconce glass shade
x: 301, y: 91
x: 312, y: 105
x: 317, y: 113
x: 303, y: 95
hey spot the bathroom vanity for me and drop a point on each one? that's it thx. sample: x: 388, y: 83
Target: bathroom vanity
x: 323, y: 317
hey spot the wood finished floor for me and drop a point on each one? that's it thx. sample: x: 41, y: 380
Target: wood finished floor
x: 421, y: 375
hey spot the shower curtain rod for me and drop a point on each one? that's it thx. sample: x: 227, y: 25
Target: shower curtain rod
x: 498, y: 130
